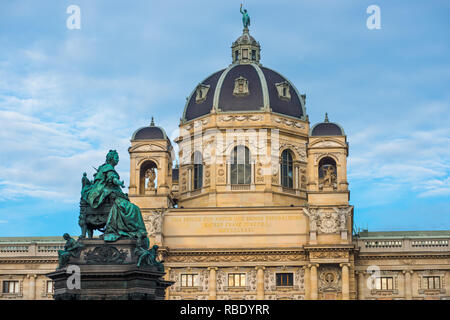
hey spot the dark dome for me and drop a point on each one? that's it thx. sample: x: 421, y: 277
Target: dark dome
x: 263, y: 87
x: 327, y: 128
x: 149, y: 133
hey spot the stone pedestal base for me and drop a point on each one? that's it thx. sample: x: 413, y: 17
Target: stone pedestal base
x: 108, y: 271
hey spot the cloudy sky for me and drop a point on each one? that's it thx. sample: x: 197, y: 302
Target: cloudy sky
x: 68, y: 96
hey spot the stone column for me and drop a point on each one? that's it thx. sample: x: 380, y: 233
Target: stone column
x: 212, y: 283
x: 360, y: 285
x: 260, y: 282
x: 167, y: 277
x: 345, y: 282
x: 408, y: 284
x: 32, y: 286
x: 307, y: 283
x: 313, y: 275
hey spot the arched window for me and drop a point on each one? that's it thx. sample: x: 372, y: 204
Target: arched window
x: 287, y: 176
x: 241, y: 169
x: 148, y: 177
x: 327, y: 173
x: 197, y: 160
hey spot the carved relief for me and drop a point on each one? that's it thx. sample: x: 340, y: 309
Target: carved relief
x: 105, y: 254
x: 326, y: 144
x: 299, y: 279
x: 241, y: 118
x: 289, y: 123
x: 333, y: 154
x: 328, y: 255
x: 329, y: 279
x: 154, y: 222
x: 241, y: 87
x: 221, y: 280
x: 234, y: 258
x: 303, y: 178
x: 204, y: 280
x: 252, y: 280
x: 300, y: 149
x: 326, y: 221
x: 269, y: 281
x: 259, y: 172
x: 207, y: 175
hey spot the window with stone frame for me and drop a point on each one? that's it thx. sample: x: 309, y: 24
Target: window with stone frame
x: 432, y: 282
x: 241, y: 169
x: 236, y: 279
x: 11, y: 287
x: 287, y: 176
x: 197, y: 160
x: 188, y: 280
x: 285, y: 279
x: 384, y: 283
x: 49, y: 287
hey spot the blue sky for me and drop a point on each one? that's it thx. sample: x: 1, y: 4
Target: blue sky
x: 68, y: 96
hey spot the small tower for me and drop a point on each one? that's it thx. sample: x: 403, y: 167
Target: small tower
x: 327, y: 164
x: 330, y: 215
x: 150, y: 168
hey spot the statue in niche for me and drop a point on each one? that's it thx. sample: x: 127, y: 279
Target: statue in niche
x: 150, y: 176
x: 329, y: 176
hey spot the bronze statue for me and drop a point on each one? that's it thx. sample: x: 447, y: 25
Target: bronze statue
x: 72, y: 248
x: 147, y: 256
x: 104, y: 205
x: 245, y: 18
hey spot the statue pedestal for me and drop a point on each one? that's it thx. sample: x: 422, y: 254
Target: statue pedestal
x: 108, y: 271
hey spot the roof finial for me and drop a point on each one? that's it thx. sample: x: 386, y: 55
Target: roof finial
x: 152, y: 124
x: 245, y: 18
x: 326, y: 117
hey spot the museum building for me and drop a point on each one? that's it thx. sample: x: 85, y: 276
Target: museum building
x: 258, y: 207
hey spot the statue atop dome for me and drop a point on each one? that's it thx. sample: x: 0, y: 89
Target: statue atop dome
x: 245, y: 18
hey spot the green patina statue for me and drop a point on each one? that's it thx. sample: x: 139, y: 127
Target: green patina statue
x: 245, y: 18
x: 72, y: 248
x: 147, y: 256
x: 124, y: 218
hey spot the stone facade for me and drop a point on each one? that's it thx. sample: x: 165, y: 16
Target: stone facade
x: 258, y: 207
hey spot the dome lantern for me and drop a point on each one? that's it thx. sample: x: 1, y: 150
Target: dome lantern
x: 245, y: 49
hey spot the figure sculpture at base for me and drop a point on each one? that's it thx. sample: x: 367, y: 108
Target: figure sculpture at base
x: 147, y: 256
x: 72, y: 248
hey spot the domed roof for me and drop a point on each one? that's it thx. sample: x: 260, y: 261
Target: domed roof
x: 151, y: 132
x: 245, y: 86
x: 327, y: 128
x: 262, y: 88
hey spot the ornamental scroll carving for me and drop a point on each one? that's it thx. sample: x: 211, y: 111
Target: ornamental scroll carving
x: 328, y: 255
x: 221, y: 280
x: 289, y: 123
x: 235, y: 258
x: 327, y: 221
x: 300, y: 149
x: 329, y: 279
x: 299, y: 280
x: 241, y: 118
x: 155, y: 221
